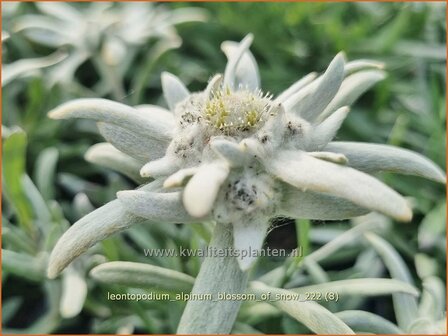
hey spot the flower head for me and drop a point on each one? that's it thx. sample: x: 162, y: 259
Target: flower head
x: 240, y: 157
x: 104, y: 32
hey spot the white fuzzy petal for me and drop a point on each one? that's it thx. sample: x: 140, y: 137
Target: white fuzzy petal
x: 157, y: 207
x: 202, y: 189
x: 114, y: 113
x: 296, y: 87
x: 230, y: 73
x: 307, y: 173
x: 330, y: 157
x: 174, y: 90
x: 141, y: 147
x: 319, y: 93
x: 229, y: 151
x: 164, y: 166
x: 158, y: 113
x: 248, y: 240
x: 375, y: 157
x: 247, y: 74
x: 114, y: 51
x: 275, y: 127
x: 74, y: 293
x: 179, y: 177
x: 106, y: 155
x: 317, y: 206
x: 326, y: 130
x: 362, y: 64
x: 352, y: 88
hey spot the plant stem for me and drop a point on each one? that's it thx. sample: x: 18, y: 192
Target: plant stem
x: 217, y: 275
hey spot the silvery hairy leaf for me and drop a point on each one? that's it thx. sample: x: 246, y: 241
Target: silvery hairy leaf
x: 173, y: 90
x: 375, y: 157
x: 246, y: 73
x: 86, y: 232
x: 366, y: 286
x: 249, y: 236
x: 352, y: 88
x: 307, y: 173
x: 74, y: 293
x: 319, y: 93
x: 108, y: 156
x: 238, y: 53
x: 314, y: 316
x: 364, y: 322
x: 140, y: 147
x: 114, y: 113
x: 24, y: 265
x: 319, y: 206
x: 405, y: 305
x: 155, y: 206
x: 140, y: 275
x: 25, y: 67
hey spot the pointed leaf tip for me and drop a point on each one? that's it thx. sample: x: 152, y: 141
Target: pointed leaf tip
x: 234, y: 59
x: 174, y: 90
x: 248, y: 237
x: 86, y: 232
x: 202, y: 189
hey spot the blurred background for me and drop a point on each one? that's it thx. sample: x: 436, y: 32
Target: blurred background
x: 54, y: 52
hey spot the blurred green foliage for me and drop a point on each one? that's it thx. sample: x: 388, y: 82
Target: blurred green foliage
x: 47, y: 183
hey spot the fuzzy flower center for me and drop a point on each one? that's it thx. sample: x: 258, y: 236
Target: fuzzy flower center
x: 235, y: 112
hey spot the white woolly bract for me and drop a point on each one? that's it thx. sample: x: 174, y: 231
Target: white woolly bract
x: 238, y: 155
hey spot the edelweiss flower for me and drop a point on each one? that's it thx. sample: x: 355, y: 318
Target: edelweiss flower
x: 28, y: 66
x: 241, y: 157
x: 106, y: 33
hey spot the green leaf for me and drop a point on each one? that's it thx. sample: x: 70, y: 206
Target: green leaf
x: 44, y: 175
x: 40, y: 209
x: 142, y: 276
x: 23, y: 265
x: 433, y: 226
x: 317, y: 318
x: 13, y: 237
x: 13, y: 163
x: 425, y: 265
x: 204, y: 230
x: 10, y: 308
x: 347, y: 238
x: 316, y: 272
x: 432, y: 303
